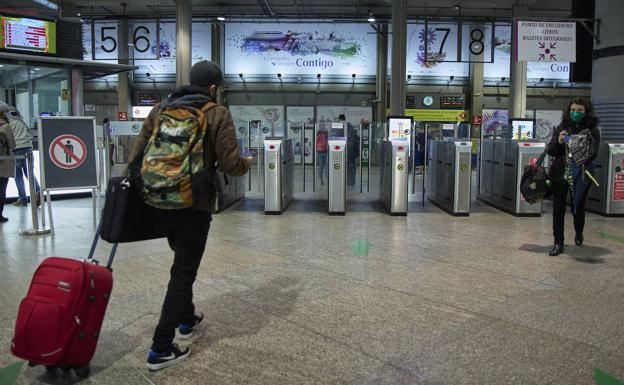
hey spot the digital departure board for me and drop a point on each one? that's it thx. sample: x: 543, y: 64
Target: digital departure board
x: 23, y: 34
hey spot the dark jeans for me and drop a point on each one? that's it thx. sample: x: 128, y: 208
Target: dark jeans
x: 560, y: 193
x: 4, y: 181
x: 187, y: 231
x: 22, y: 171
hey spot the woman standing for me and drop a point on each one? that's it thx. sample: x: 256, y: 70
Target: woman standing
x: 579, y: 116
x: 7, y: 145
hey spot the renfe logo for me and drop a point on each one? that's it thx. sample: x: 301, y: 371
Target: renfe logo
x: 314, y: 63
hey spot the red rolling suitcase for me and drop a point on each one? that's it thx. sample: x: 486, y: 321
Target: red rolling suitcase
x: 59, y: 321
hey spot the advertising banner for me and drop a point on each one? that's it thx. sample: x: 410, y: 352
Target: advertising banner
x: 545, y: 41
x: 271, y: 121
x: 300, y: 114
x: 441, y: 45
x: 353, y: 114
x: 328, y: 49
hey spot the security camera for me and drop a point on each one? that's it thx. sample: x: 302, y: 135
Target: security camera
x: 148, y: 74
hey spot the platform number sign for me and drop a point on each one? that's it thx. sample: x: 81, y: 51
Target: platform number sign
x: 457, y: 42
x: 105, y: 46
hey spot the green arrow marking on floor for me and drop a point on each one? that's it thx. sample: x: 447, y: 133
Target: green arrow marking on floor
x: 360, y: 248
x: 603, y: 378
x: 612, y: 237
x: 9, y: 375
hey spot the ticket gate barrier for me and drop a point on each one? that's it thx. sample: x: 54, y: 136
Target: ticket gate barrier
x: 394, y: 176
x: 337, y: 181
x: 278, y: 174
x: 608, y: 198
x: 449, y: 175
x: 501, y: 168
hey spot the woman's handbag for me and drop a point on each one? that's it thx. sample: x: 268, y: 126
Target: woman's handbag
x: 126, y: 217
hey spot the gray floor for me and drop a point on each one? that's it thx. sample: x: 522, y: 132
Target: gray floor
x: 438, y: 299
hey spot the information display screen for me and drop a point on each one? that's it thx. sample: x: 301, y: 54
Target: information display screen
x: 523, y: 129
x: 18, y: 33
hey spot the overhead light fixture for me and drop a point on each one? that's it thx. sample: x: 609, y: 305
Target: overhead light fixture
x: 37, y: 69
x: 371, y: 19
x: 221, y: 18
x: 318, y: 76
x: 353, y: 76
x: 279, y: 75
x: 240, y: 76
x: 47, y: 4
x: 457, y: 7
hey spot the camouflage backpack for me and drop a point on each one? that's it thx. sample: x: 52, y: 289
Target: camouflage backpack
x: 172, y: 157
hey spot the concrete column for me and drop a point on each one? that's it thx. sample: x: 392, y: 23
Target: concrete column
x: 217, y: 51
x: 476, y: 91
x: 382, y: 73
x: 607, y: 81
x: 399, y: 52
x: 476, y: 98
x: 77, y: 93
x: 184, y: 23
x: 124, y: 97
x: 518, y: 85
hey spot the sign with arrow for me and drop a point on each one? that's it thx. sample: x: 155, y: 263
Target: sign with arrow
x: 544, y: 41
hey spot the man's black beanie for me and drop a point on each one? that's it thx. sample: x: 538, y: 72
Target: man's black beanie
x: 206, y: 74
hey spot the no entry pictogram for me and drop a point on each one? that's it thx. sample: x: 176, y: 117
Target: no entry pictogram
x: 68, y: 151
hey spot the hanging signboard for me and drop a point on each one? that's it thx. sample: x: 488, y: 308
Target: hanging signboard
x: 327, y: 49
x: 423, y: 115
x: 544, y: 41
x: 68, y: 152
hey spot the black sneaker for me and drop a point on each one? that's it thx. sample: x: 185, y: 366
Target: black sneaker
x: 187, y: 331
x: 157, y: 361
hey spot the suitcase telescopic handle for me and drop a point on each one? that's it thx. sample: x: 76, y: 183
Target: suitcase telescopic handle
x: 111, y: 257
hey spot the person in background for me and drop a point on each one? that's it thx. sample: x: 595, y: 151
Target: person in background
x: 579, y: 116
x: 187, y: 228
x: 322, y: 147
x: 7, y: 145
x: 353, y: 150
x: 23, y: 146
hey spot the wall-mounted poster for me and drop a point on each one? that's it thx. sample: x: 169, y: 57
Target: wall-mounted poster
x: 353, y: 114
x: 546, y: 122
x: 441, y: 40
x: 271, y: 122
x: 535, y: 70
x: 300, y: 120
x: 495, y: 122
x: 328, y: 49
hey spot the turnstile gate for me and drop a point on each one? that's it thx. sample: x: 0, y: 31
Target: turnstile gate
x: 278, y: 174
x: 448, y: 176
x: 394, y: 176
x: 608, y: 198
x: 337, y: 181
x: 502, y: 165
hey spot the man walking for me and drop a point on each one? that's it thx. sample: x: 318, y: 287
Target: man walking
x: 189, y: 119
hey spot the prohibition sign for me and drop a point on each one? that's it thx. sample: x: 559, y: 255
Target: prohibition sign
x: 68, y: 151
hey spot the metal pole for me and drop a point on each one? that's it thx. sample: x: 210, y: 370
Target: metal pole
x: 49, y: 199
x: 361, y: 171
x: 35, y: 230
x: 303, y: 159
x: 249, y: 147
x: 314, y: 158
x: 426, y: 157
x: 106, y: 157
